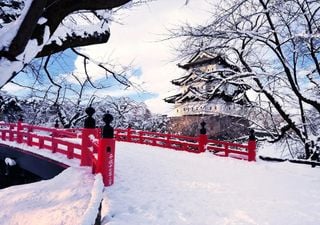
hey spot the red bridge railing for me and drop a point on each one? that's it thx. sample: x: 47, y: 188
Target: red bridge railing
x: 83, y: 144
x: 190, y: 144
x: 177, y: 142
x: 95, y: 147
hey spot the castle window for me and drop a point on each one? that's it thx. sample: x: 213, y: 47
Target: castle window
x: 210, y: 68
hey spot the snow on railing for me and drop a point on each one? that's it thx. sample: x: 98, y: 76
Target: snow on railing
x: 190, y: 144
x: 177, y: 142
x: 96, y: 148
x: 83, y: 144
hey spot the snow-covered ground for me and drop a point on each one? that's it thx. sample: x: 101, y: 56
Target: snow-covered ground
x: 157, y: 186
x: 65, y: 199
x: 167, y: 187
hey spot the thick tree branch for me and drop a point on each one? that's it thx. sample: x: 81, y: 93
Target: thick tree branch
x: 74, y: 41
x: 39, y: 23
x: 26, y: 28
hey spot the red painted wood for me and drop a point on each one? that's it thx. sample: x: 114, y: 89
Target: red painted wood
x: 103, y: 161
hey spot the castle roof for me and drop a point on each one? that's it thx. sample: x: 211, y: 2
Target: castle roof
x: 202, y: 57
x: 192, y: 77
x: 227, y: 92
x: 172, y: 99
x: 191, y: 94
x: 208, y: 79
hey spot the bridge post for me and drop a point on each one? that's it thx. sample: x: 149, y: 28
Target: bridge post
x: 54, y: 144
x: 203, y: 138
x: 129, y: 133
x: 252, y: 146
x: 3, y: 135
x: 89, y: 128
x: 11, y: 136
x: 168, y: 145
x: 106, y: 152
x: 19, y: 130
x: 140, y: 137
x: 29, y: 137
x: 56, y: 124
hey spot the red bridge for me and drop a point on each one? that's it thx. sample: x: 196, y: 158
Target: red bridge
x: 95, y: 147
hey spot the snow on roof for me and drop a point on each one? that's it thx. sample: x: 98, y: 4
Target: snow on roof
x: 202, y: 55
x: 180, y: 80
x: 193, y: 77
x: 191, y: 94
x: 172, y: 99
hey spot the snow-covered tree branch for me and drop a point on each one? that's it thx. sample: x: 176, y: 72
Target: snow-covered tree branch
x: 37, y: 28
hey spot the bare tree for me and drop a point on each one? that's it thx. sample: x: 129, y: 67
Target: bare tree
x: 276, y: 45
x: 125, y: 110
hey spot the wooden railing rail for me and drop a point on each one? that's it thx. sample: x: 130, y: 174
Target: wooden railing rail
x: 190, y: 144
x: 84, y: 144
x: 95, y: 147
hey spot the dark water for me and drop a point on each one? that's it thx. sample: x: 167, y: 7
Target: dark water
x: 15, y: 176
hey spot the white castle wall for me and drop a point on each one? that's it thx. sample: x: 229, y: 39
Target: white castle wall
x: 205, y: 108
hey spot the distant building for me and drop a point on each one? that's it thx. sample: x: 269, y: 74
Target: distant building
x: 208, y: 92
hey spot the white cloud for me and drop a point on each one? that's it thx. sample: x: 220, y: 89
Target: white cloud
x: 137, y: 41
x: 104, y: 93
x: 157, y: 105
x: 12, y: 88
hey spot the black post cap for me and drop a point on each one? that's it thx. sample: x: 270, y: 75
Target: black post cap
x: 90, y: 122
x: 203, y: 130
x: 90, y: 111
x: 252, y: 136
x: 20, y: 118
x: 56, y: 125
x: 107, y: 130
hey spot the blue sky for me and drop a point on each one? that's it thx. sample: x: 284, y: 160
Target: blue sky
x: 135, y: 40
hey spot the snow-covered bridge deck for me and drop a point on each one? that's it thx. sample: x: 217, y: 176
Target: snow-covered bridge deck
x: 156, y: 186
x: 72, y: 197
x: 70, y: 147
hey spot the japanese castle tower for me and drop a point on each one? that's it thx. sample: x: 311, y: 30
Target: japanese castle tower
x: 207, y: 93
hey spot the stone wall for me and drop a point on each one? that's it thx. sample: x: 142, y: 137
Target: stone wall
x: 218, y: 126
